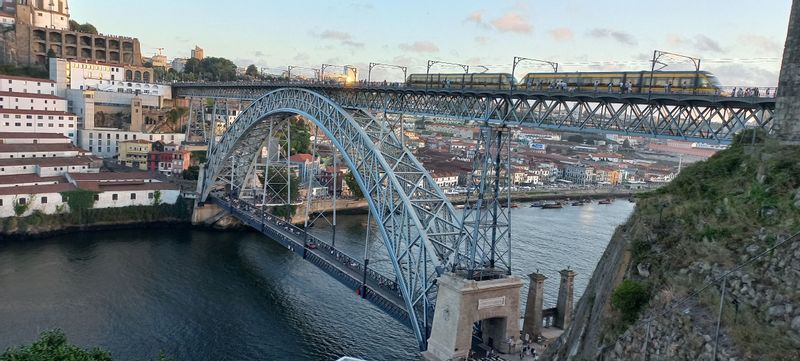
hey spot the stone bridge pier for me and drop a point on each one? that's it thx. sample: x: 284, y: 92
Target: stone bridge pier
x: 460, y: 303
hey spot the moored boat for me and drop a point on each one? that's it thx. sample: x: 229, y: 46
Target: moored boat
x: 537, y: 204
x: 605, y: 201
x: 555, y: 205
x: 577, y: 203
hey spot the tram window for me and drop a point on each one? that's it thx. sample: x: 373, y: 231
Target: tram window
x: 687, y: 82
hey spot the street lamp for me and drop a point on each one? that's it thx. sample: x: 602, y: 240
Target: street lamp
x: 434, y: 62
x: 657, y: 54
x: 290, y: 67
x: 372, y: 65
x: 518, y: 59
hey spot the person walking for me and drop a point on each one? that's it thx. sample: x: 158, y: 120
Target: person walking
x: 596, y: 83
x: 610, y: 86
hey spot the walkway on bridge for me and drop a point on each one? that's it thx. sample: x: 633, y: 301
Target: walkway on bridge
x: 378, y: 289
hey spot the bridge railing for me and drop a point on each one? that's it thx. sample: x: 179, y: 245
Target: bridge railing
x: 734, y: 91
x: 248, y: 210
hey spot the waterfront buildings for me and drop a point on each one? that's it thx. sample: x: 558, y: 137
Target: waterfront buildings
x: 30, y: 105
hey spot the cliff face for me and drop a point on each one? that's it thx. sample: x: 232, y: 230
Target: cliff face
x: 733, y: 215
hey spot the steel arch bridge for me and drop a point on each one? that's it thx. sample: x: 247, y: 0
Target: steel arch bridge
x: 705, y: 118
x: 418, y: 225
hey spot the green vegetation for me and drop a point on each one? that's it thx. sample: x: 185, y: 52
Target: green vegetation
x: 79, y: 200
x: 181, y: 211
x: 53, y: 346
x: 214, y: 69
x: 38, y: 72
x: 192, y: 173
x: 82, y: 28
x: 20, y: 208
x: 355, y: 190
x: 198, y: 156
x: 301, y: 136
x: 629, y: 298
x: 708, y: 215
x: 252, y: 70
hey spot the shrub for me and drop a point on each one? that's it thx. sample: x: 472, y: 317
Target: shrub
x: 52, y: 345
x: 629, y: 298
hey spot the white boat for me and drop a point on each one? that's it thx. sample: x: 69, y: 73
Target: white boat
x: 347, y: 358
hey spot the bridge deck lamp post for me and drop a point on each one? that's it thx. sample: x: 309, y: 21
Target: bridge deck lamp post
x: 290, y: 67
x: 519, y: 59
x: 657, y: 54
x: 434, y: 62
x: 373, y: 65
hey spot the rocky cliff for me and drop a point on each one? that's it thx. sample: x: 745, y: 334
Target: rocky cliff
x: 729, y: 224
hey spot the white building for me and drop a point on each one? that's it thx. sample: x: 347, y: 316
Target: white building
x: 7, y: 20
x: 77, y: 75
x: 31, y: 101
x: 53, y: 14
x: 44, y: 194
x: 39, y: 121
x: 42, y: 155
x: 178, y: 64
x: 445, y: 180
x: 22, y: 84
x: 104, y: 142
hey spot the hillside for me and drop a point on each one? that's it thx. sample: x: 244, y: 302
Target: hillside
x: 731, y: 219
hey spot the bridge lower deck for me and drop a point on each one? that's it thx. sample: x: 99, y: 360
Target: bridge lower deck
x: 378, y: 289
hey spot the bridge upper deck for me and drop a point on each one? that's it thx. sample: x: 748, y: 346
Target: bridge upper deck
x: 252, y: 90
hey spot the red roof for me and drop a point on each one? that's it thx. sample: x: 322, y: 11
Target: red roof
x: 110, y: 176
x: 29, y: 178
x: 39, y: 147
x: 302, y: 157
x: 47, y: 188
x: 22, y: 135
x: 48, y: 162
x: 34, y: 112
x: 30, y: 95
x: 25, y: 78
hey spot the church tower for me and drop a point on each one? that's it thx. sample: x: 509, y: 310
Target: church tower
x: 52, y: 14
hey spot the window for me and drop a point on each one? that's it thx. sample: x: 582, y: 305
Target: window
x: 114, y: 197
x: 44, y: 200
x: 22, y: 201
x: 150, y: 195
x: 133, y: 195
x: 1, y: 201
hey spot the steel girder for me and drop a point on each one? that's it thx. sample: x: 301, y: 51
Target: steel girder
x: 696, y: 118
x: 417, y: 223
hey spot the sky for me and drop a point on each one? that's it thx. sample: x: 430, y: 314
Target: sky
x: 741, y: 41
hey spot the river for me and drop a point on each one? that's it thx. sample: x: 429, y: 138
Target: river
x: 205, y: 295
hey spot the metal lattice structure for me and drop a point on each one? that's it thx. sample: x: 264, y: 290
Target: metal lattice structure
x: 708, y: 118
x: 418, y: 225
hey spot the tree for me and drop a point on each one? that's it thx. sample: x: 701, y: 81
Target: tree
x: 355, y: 190
x: 576, y: 138
x: 301, y: 136
x: 82, y: 28
x: 252, y: 70
x: 192, y: 173
x: 192, y: 66
x: 53, y: 345
x: 626, y: 144
x: 629, y: 298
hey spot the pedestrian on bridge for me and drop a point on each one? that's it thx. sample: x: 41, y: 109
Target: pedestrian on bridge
x: 610, y: 86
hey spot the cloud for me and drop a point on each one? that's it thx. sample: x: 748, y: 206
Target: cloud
x: 511, y: 22
x: 475, y: 17
x: 335, y: 35
x: 700, y: 43
x: 704, y: 43
x: 300, y: 57
x: 402, y: 60
x: 562, y: 34
x: 761, y: 43
x: 482, y: 40
x: 619, y: 36
x: 420, y: 47
x: 258, y: 54
x: 344, y: 38
x: 744, y: 75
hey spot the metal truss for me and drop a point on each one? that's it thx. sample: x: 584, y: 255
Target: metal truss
x: 707, y: 118
x: 486, y: 225
x: 418, y: 225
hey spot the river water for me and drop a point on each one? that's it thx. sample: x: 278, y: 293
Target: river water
x: 204, y: 295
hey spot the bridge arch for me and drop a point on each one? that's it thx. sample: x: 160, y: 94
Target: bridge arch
x: 418, y: 225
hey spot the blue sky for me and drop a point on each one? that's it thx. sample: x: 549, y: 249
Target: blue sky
x: 740, y: 41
